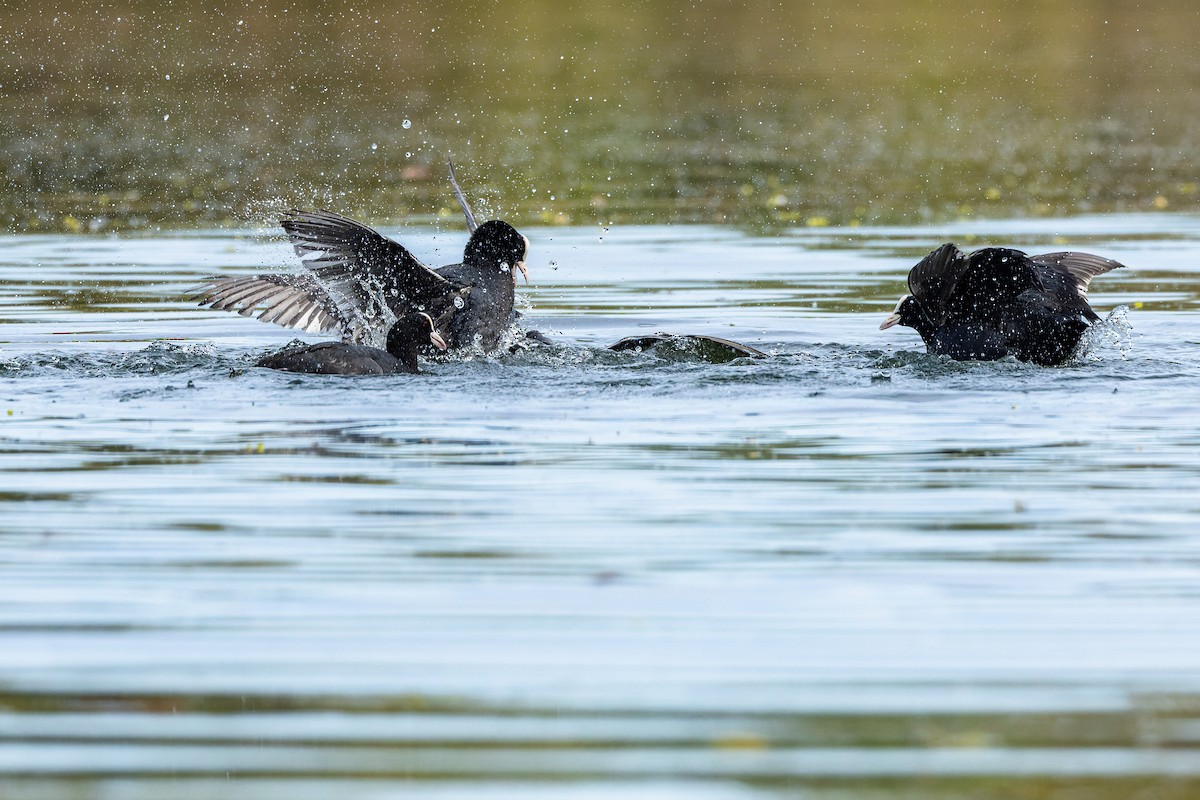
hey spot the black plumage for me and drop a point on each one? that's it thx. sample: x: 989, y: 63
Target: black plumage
x: 998, y: 301
x: 405, y: 338
x: 709, y: 348
x: 492, y: 257
x: 360, y: 281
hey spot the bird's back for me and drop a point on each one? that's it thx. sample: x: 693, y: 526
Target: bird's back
x: 334, y: 358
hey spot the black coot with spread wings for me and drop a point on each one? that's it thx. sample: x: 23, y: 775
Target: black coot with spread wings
x: 410, y: 333
x: 997, y: 302
x: 360, y: 281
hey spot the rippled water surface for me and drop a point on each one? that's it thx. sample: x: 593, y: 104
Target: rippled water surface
x: 849, y: 570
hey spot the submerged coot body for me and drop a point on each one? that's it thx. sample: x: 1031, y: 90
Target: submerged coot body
x: 709, y: 348
x: 405, y: 338
x: 997, y: 302
x: 335, y: 358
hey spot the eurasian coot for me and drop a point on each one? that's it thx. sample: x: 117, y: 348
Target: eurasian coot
x: 361, y: 280
x: 997, y: 302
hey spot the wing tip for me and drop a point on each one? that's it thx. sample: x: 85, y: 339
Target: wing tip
x: 1082, y: 267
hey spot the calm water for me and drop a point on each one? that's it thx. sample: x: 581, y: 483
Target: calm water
x: 850, y: 570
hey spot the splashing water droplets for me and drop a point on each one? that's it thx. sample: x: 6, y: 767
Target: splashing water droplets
x: 406, y: 124
x: 459, y: 302
x: 1111, y: 333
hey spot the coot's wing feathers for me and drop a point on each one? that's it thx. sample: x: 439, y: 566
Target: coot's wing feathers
x: 462, y: 199
x: 459, y: 274
x: 362, y: 264
x: 290, y: 300
x: 343, y: 289
x: 996, y: 275
x: 1081, y: 266
x: 933, y: 279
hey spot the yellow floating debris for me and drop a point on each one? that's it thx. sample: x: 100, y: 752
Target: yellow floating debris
x: 740, y: 740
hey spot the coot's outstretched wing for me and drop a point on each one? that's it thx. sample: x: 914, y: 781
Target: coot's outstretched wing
x: 295, y: 300
x: 1066, y: 277
x: 358, y: 274
x: 361, y: 264
x: 462, y: 199
x: 1081, y: 266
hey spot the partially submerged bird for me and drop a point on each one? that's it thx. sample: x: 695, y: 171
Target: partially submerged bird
x: 997, y: 302
x: 709, y: 348
x: 362, y: 281
x: 408, y: 335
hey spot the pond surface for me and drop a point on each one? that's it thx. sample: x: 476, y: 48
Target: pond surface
x: 138, y: 113
x: 850, y: 570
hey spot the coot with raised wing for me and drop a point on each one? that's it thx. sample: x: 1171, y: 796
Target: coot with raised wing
x: 361, y: 281
x: 998, y: 301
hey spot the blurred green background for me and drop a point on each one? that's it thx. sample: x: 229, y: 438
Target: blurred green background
x: 147, y: 114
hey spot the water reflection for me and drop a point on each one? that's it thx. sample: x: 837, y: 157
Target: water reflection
x: 763, y: 115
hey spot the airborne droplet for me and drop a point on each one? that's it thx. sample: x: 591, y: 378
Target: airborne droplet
x: 406, y: 124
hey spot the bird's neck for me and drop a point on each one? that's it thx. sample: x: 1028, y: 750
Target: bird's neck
x: 404, y: 351
x: 919, y: 322
x: 924, y: 327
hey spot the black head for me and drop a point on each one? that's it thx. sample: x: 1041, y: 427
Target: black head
x: 409, y: 334
x: 908, y: 312
x: 496, y: 243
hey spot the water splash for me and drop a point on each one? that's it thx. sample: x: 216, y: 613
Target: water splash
x: 1111, y: 333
